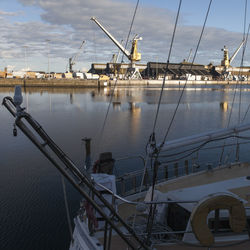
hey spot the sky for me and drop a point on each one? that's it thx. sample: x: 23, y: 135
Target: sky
x: 43, y: 34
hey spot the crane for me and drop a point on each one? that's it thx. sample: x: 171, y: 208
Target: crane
x: 72, y: 61
x: 226, y: 60
x: 133, y: 55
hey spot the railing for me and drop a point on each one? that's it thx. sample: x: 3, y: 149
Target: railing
x: 140, y: 180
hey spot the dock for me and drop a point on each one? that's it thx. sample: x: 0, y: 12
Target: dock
x: 82, y: 83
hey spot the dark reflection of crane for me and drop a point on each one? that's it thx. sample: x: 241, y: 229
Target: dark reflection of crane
x: 71, y: 98
x: 116, y: 105
x: 134, y: 108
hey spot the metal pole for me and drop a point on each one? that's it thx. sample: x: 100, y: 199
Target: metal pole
x: 48, y: 55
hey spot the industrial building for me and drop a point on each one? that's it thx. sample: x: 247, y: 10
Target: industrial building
x: 231, y: 73
x: 184, y: 70
x: 115, y: 70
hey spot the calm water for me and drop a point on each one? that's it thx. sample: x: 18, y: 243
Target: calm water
x: 32, y: 211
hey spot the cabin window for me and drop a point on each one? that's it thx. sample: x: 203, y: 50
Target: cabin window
x: 177, y: 217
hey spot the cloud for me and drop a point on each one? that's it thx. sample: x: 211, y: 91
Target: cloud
x: 5, y: 13
x: 67, y: 22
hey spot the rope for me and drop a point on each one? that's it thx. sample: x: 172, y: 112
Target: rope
x: 67, y: 208
x: 152, y: 136
x: 165, y: 73
x: 241, y: 66
x: 113, y: 89
x: 207, y: 148
x: 130, y: 29
x: 196, y: 149
x: 235, y: 88
x: 182, y: 92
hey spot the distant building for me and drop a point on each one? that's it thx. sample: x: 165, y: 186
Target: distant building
x: 58, y: 75
x: 232, y: 73
x: 184, y: 70
x: 3, y: 74
x: 114, y: 70
x: 67, y: 75
x: 98, y: 68
x: 31, y: 74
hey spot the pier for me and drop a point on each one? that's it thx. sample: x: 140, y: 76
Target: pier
x: 81, y: 83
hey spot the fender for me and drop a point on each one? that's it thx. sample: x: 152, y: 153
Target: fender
x: 198, y: 218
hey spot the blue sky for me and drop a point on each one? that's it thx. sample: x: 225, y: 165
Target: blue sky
x: 27, y: 25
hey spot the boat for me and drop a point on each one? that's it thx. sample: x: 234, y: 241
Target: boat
x: 189, y: 206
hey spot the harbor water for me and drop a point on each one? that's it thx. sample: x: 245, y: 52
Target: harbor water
x: 32, y: 210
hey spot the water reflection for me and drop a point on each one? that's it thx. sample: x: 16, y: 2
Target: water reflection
x: 29, y: 182
x: 224, y: 106
x: 117, y: 105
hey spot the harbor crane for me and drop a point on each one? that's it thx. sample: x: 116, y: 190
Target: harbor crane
x: 72, y: 60
x: 133, y: 55
x: 226, y: 61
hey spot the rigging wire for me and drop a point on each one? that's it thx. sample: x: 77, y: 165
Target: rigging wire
x: 198, y: 148
x: 236, y: 86
x: 241, y: 67
x: 182, y: 92
x: 67, y: 208
x: 115, y: 84
x: 150, y: 220
x: 209, y: 148
x: 152, y: 137
x: 165, y: 73
x: 130, y: 28
x: 240, y: 73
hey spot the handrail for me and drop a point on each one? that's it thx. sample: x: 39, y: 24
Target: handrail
x: 143, y: 202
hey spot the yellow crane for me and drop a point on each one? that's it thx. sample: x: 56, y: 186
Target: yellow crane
x: 226, y: 60
x: 133, y: 55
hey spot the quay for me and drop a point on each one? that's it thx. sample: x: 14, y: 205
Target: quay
x: 95, y: 83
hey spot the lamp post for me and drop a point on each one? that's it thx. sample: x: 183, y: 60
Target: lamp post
x: 47, y: 40
x: 25, y: 57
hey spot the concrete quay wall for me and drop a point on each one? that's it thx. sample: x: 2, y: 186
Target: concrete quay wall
x: 77, y: 83
x: 80, y: 83
x: 152, y: 83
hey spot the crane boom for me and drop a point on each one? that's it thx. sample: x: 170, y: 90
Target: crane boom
x: 73, y: 60
x: 236, y: 51
x: 125, y: 52
x: 77, y: 54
